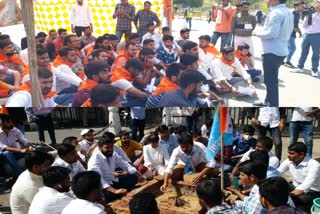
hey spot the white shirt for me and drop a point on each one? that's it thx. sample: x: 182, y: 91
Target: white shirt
x: 85, y: 145
x: 223, y: 71
x: 269, y: 116
x: 65, y: 77
x: 75, y: 168
x: 273, y: 160
x: 203, y: 147
x: 118, y: 150
x: 23, y: 191
x: 10, y: 139
x: 122, y: 84
x: 155, y: 156
x: 80, y: 206
x: 80, y: 16
x: 23, y: 99
x: 305, y: 175
x: 49, y: 200
x: 204, y: 130
x: 106, y: 166
x: 197, y: 156
x: 299, y: 114
x: 155, y: 37
x: 24, y: 56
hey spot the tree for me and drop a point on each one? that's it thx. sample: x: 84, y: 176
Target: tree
x: 190, y: 3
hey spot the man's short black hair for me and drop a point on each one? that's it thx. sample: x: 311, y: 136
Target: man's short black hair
x: 44, y: 73
x: 65, y: 50
x: 109, y: 135
x: 94, y: 68
x: 165, y: 29
x: 98, y: 94
x: 282, y: 1
x: 68, y: 140
x: 55, y: 175
x: 146, y: 52
x: 167, y: 37
x: 134, y: 63
x: 96, y: 52
x: 41, y: 51
x: 174, y: 69
x: 189, y: 45
x: 144, y: 203
x: 275, y: 190
x: 210, y: 192
x: 147, y: 41
x: 267, y: 142
x: 128, y: 44
x: 227, y: 50
x: 153, y: 137
x: 64, y: 149
x: 4, y: 43
x: 248, y: 129
x: 105, y: 140
x: 162, y: 128
x: 205, y: 37
x: 298, y: 147
x: 245, y: 3
x: 99, y: 41
x: 67, y: 39
x: 147, y: 2
x: 184, y: 30
x: 189, y: 77
x: 84, y: 183
x: 61, y: 30
x: 185, y: 139
x: 260, y: 155
x: 4, y: 36
x: 41, y: 34
x: 113, y: 37
x: 37, y: 158
x: 188, y: 59
x: 296, y: 4
x: 256, y: 168
x: 133, y: 36
x: 181, y: 129
x: 243, y: 46
x: 150, y: 24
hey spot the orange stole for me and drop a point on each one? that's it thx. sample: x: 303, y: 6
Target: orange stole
x: 14, y: 59
x: 60, y: 61
x: 241, y: 57
x: 87, y: 85
x: 26, y: 87
x: 87, y: 103
x: 165, y: 85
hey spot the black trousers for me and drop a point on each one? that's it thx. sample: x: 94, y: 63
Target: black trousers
x: 271, y: 64
x: 79, y: 30
x: 137, y: 125
x: 45, y: 122
x: 276, y: 138
x: 304, y: 201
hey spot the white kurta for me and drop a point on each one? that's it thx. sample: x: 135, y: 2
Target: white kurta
x: 157, y: 157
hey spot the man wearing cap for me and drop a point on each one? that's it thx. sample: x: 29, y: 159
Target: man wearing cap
x: 184, y: 36
x: 87, y: 140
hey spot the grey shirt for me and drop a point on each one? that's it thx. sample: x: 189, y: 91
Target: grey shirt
x: 245, y: 24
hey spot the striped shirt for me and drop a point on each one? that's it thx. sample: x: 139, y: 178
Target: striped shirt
x: 123, y: 22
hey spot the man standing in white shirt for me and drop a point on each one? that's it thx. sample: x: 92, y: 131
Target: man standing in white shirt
x: 305, y: 173
x: 105, y: 161
x: 188, y: 159
x: 88, y: 190
x: 269, y: 119
x: 302, y: 121
x: 29, y: 181
x: 53, y: 197
x: 8, y: 146
x: 80, y: 18
x: 68, y: 158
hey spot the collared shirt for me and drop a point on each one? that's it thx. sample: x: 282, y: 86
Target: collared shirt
x: 105, y: 166
x: 197, y: 156
x: 176, y: 98
x: 145, y: 19
x: 305, y: 175
x: 315, y: 26
x: 66, y: 77
x: 80, y: 16
x: 224, y: 209
x: 272, y: 172
x: 130, y: 150
x: 286, y: 209
x: 75, y: 168
x: 277, y: 30
x: 252, y: 204
x: 244, y: 23
x: 10, y: 139
x: 167, y: 55
x: 23, y: 99
x: 23, y: 191
x: 49, y: 200
x: 155, y: 156
x: 223, y: 71
x: 123, y: 22
x: 269, y: 116
x: 117, y: 149
x: 170, y: 144
x: 273, y: 160
x: 87, y: 40
x: 155, y: 37
x: 299, y: 114
x: 85, y: 145
x: 81, y: 206
x: 138, y: 113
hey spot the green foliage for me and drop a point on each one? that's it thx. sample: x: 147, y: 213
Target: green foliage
x: 190, y: 3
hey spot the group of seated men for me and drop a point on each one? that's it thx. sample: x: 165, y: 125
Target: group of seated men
x: 103, y: 170
x: 153, y: 73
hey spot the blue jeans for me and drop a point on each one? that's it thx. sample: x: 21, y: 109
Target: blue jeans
x: 12, y: 158
x: 119, y: 33
x: 225, y: 39
x: 307, y: 130
x: 313, y: 41
x: 292, y: 48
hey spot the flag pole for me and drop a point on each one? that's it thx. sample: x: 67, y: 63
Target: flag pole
x: 222, y: 162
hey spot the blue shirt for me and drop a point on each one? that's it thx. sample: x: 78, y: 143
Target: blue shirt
x: 277, y: 30
x: 170, y: 144
x: 138, y: 113
x: 176, y: 98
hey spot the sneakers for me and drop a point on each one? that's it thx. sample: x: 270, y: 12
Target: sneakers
x: 289, y: 65
x: 297, y: 70
x: 314, y: 73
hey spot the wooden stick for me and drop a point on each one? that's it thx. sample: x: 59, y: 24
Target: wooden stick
x: 28, y: 20
x: 222, y: 162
